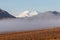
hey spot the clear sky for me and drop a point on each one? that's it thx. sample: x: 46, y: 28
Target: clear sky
x: 14, y: 7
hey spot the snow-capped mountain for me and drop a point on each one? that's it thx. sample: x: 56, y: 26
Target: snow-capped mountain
x: 33, y: 13
x: 5, y: 14
x: 48, y: 15
x: 38, y: 15
x: 23, y: 14
x: 28, y: 13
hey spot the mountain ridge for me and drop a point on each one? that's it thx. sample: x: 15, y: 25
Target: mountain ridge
x: 5, y: 14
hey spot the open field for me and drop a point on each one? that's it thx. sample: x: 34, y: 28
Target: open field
x: 46, y: 34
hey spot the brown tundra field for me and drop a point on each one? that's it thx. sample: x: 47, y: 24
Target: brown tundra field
x: 46, y: 34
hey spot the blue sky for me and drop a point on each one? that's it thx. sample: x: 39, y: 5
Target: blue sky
x: 14, y: 7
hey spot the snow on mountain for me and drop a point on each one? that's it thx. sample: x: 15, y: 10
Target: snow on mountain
x: 33, y: 13
x: 23, y: 14
x: 28, y: 13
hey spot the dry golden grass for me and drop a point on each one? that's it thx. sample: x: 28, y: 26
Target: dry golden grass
x: 46, y: 34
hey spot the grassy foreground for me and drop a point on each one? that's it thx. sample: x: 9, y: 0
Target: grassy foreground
x: 46, y: 34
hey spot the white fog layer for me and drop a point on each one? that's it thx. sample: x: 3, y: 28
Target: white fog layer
x: 8, y: 25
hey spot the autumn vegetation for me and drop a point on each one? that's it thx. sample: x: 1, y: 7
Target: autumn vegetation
x: 45, y: 34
